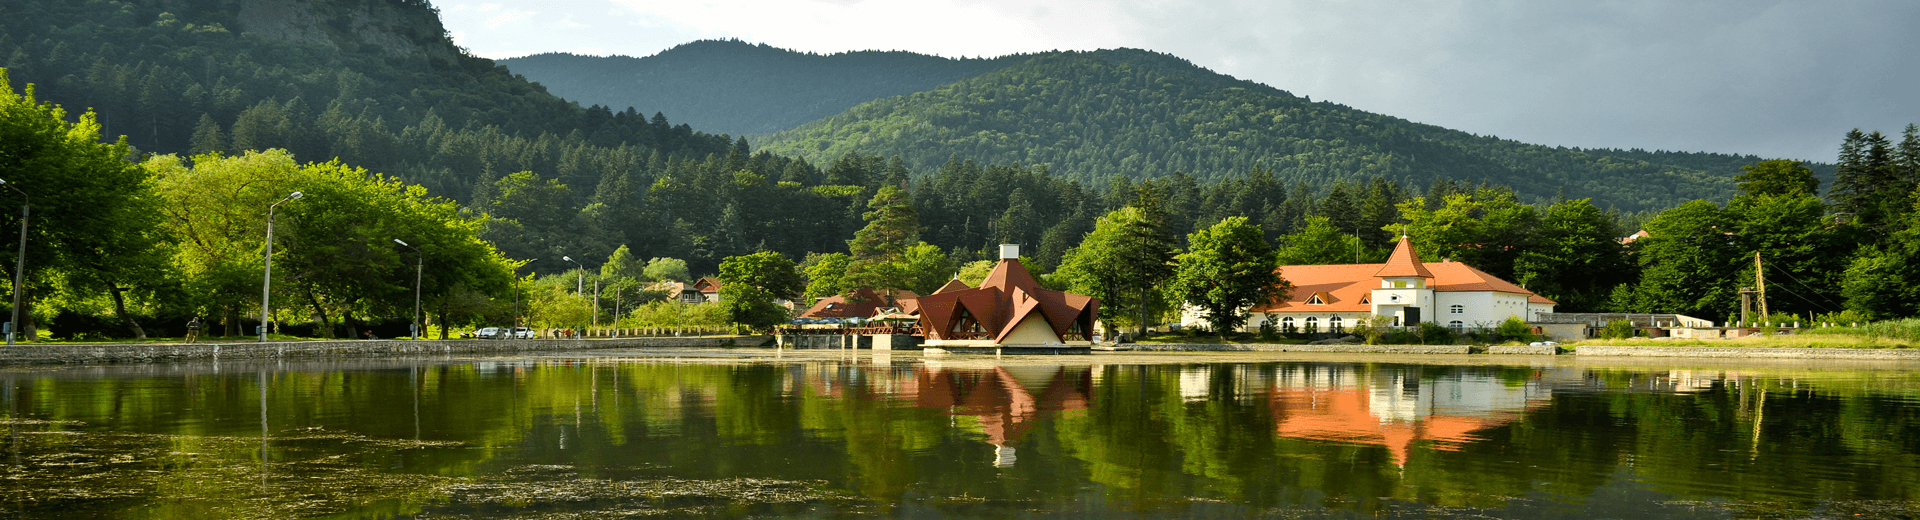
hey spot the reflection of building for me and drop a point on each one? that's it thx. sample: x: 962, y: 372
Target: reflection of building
x: 1008, y: 309
x: 1335, y: 405
x: 1006, y: 399
x: 1406, y: 289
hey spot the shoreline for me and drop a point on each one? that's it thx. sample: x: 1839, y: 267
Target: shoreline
x: 138, y: 353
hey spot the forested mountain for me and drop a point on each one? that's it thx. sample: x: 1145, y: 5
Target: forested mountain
x: 742, y: 88
x: 376, y: 83
x: 1090, y: 115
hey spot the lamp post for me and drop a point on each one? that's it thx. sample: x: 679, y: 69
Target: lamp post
x: 266, y: 287
x: 19, y: 262
x: 580, y: 279
x: 419, y: 265
x: 513, y: 331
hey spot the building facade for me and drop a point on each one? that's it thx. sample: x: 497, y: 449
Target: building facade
x: 1332, y: 298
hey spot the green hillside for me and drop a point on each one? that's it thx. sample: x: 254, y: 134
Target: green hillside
x: 742, y: 88
x: 377, y: 83
x: 1088, y: 116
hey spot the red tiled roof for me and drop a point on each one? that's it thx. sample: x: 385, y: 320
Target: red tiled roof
x: 1007, y: 296
x: 952, y: 285
x: 1404, y: 262
x: 1345, y: 285
x: 869, y: 303
x: 707, y: 285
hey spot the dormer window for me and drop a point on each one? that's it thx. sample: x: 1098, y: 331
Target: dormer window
x: 1315, y: 300
x: 1364, y: 300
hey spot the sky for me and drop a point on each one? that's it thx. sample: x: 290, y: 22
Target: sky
x: 1778, y: 79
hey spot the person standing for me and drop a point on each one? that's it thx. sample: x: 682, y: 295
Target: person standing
x: 193, y: 330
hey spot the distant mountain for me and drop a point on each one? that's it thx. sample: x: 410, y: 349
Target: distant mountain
x: 377, y: 83
x: 1092, y: 115
x: 741, y: 88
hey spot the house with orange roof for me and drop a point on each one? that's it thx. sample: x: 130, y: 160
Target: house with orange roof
x: 1008, y: 309
x: 1332, y: 298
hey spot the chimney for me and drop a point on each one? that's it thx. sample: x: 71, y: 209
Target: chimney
x: 1009, y: 251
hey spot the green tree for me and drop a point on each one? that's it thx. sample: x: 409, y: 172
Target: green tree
x: 1577, y: 259
x: 1488, y: 230
x: 1123, y: 262
x: 1321, y: 243
x: 925, y: 268
x: 667, y: 269
x: 1227, y: 268
x: 79, y: 187
x: 893, y: 227
x: 1688, y: 263
x: 750, y: 284
x: 1778, y: 177
x: 826, y: 275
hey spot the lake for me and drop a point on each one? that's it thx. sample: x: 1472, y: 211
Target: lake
x: 739, y: 433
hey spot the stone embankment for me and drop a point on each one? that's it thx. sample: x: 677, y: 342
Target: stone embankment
x: 39, y: 353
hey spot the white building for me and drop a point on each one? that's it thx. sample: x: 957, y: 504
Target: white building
x: 1334, y: 297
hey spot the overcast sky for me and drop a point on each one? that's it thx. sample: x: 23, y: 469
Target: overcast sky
x: 1763, y: 77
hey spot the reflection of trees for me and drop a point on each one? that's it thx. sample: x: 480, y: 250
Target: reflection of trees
x: 1151, y: 437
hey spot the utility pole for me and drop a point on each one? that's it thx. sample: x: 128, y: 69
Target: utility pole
x: 1760, y: 285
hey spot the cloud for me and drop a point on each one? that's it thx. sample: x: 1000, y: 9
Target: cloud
x: 1768, y: 77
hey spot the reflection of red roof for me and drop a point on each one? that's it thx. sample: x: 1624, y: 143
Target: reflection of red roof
x: 1005, y: 398
x: 1345, y: 415
x: 1344, y: 286
x: 1008, y: 296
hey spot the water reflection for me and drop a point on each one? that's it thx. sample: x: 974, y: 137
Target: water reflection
x: 718, y: 433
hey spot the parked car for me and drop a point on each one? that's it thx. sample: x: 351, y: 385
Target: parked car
x: 487, y: 333
x: 522, y: 333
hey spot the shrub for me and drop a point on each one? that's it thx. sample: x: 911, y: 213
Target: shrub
x: 1618, y: 329
x: 1515, y: 330
x: 1434, y: 333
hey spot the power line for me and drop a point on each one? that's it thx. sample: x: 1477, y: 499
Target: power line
x: 1809, y: 288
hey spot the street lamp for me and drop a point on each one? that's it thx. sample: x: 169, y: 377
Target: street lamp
x: 419, y: 264
x: 266, y: 287
x: 580, y: 279
x: 19, y: 262
x: 513, y: 331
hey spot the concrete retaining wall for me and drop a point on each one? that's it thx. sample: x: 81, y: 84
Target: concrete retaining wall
x: 1751, y: 352
x: 34, y: 353
x: 1526, y: 350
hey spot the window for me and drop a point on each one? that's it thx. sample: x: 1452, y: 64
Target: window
x: 1399, y: 284
x: 1334, y: 324
x: 1312, y: 321
x: 1315, y: 300
x: 1456, y: 325
x: 1366, y: 300
x: 1457, y: 309
x: 1395, y: 298
x: 1286, y: 324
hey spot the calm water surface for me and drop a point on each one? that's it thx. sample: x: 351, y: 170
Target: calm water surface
x: 726, y: 433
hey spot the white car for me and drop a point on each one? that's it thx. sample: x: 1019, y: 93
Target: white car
x: 487, y: 333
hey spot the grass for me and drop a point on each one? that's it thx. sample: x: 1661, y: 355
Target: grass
x: 1803, y: 340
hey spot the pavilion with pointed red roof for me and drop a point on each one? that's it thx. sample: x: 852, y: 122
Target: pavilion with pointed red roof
x: 1008, y: 310
x: 1332, y: 298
